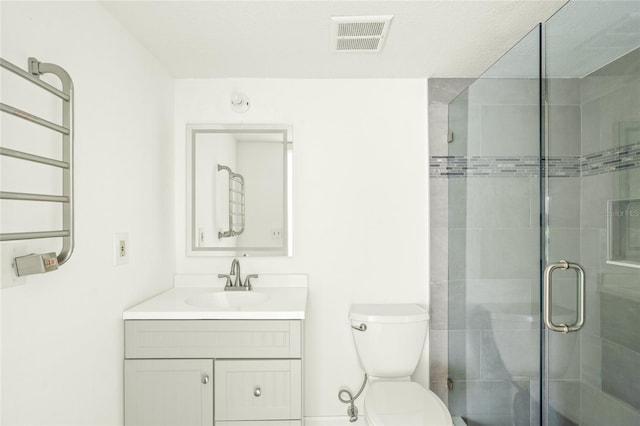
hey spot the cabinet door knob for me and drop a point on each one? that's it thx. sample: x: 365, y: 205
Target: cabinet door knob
x: 257, y: 392
x: 205, y: 379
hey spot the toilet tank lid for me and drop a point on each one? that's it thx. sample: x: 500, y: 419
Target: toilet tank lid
x: 388, y: 313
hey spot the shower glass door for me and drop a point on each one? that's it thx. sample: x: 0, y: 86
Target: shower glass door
x: 494, y: 244
x: 591, y: 182
x: 543, y: 181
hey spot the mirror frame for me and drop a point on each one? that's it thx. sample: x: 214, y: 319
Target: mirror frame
x: 287, y: 138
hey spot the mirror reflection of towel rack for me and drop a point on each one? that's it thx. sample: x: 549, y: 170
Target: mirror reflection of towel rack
x: 236, y: 204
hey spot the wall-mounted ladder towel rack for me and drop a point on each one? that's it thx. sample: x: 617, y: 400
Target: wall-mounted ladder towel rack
x: 37, y: 263
x: 236, y: 204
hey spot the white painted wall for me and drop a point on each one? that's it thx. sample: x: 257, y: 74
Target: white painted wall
x: 62, y: 344
x: 360, y: 204
x: 360, y: 212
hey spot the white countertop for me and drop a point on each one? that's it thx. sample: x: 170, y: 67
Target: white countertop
x: 286, y: 299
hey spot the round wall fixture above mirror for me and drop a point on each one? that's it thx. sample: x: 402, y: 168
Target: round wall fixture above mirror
x: 239, y: 102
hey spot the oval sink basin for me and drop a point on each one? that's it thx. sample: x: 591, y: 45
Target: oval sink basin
x: 228, y: 299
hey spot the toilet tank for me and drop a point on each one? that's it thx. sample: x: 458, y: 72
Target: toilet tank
x: 389, y: 337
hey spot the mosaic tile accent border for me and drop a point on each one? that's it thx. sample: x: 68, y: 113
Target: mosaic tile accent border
x: 611, y: 160
x: 460, y: 166
x: 607, y: 161
x: 564, y: 166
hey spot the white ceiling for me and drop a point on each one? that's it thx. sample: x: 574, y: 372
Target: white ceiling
x: 291, y: 39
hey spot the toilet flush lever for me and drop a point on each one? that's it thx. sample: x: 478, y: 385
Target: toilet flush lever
x: 361, y: 327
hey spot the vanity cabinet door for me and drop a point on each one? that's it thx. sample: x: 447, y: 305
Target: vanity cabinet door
x: 168, y: 392
x: 258, y: 390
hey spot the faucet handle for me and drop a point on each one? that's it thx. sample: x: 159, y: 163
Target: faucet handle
x: 247, y: 280
x: 228, y: 283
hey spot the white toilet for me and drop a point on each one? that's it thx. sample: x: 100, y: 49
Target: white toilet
x: 515, y: 332
x: 389, y: 340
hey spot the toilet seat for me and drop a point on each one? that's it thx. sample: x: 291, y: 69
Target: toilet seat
x: 404, y: 404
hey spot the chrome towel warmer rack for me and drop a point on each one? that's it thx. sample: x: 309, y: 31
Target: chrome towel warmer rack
x: 236, y: 203
x: 38, y: 263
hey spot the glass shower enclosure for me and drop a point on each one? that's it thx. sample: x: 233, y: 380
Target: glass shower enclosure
x: 543, y: 171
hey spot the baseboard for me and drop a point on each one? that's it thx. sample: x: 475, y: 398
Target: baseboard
x: 334, y: 421
x: 344, y: 421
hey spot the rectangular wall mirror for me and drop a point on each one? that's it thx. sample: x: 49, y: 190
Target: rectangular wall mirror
x: 239, y: 189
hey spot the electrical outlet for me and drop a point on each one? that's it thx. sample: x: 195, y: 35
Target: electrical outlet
x: 276, y: 234
x: 121, y: 248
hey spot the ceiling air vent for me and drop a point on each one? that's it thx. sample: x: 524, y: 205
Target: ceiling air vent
x: 359, y: 33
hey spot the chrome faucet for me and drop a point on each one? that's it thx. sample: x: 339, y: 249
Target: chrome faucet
x: 235, y: 270
x: 237, y: 281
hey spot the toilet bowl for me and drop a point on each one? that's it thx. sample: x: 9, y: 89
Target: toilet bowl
x: 404, y: 404
x: 389, y: 339
x: 515, y: 332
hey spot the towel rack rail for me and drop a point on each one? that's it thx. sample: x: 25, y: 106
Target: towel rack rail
x: 32, y: 235
x: 33, y: 197
x: 34, y: 119
x: 45, y: 262
x: 35, y: 158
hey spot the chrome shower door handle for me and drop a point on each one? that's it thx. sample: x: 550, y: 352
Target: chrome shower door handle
x: 547, y: 301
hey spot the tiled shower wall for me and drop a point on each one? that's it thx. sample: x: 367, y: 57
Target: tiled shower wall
x: 484, y: 220
x: 610, y: 342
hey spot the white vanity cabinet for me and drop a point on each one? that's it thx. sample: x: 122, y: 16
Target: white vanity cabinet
x: 206, y: 372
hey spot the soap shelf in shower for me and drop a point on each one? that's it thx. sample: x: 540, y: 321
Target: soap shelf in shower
x: 623, y: 233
